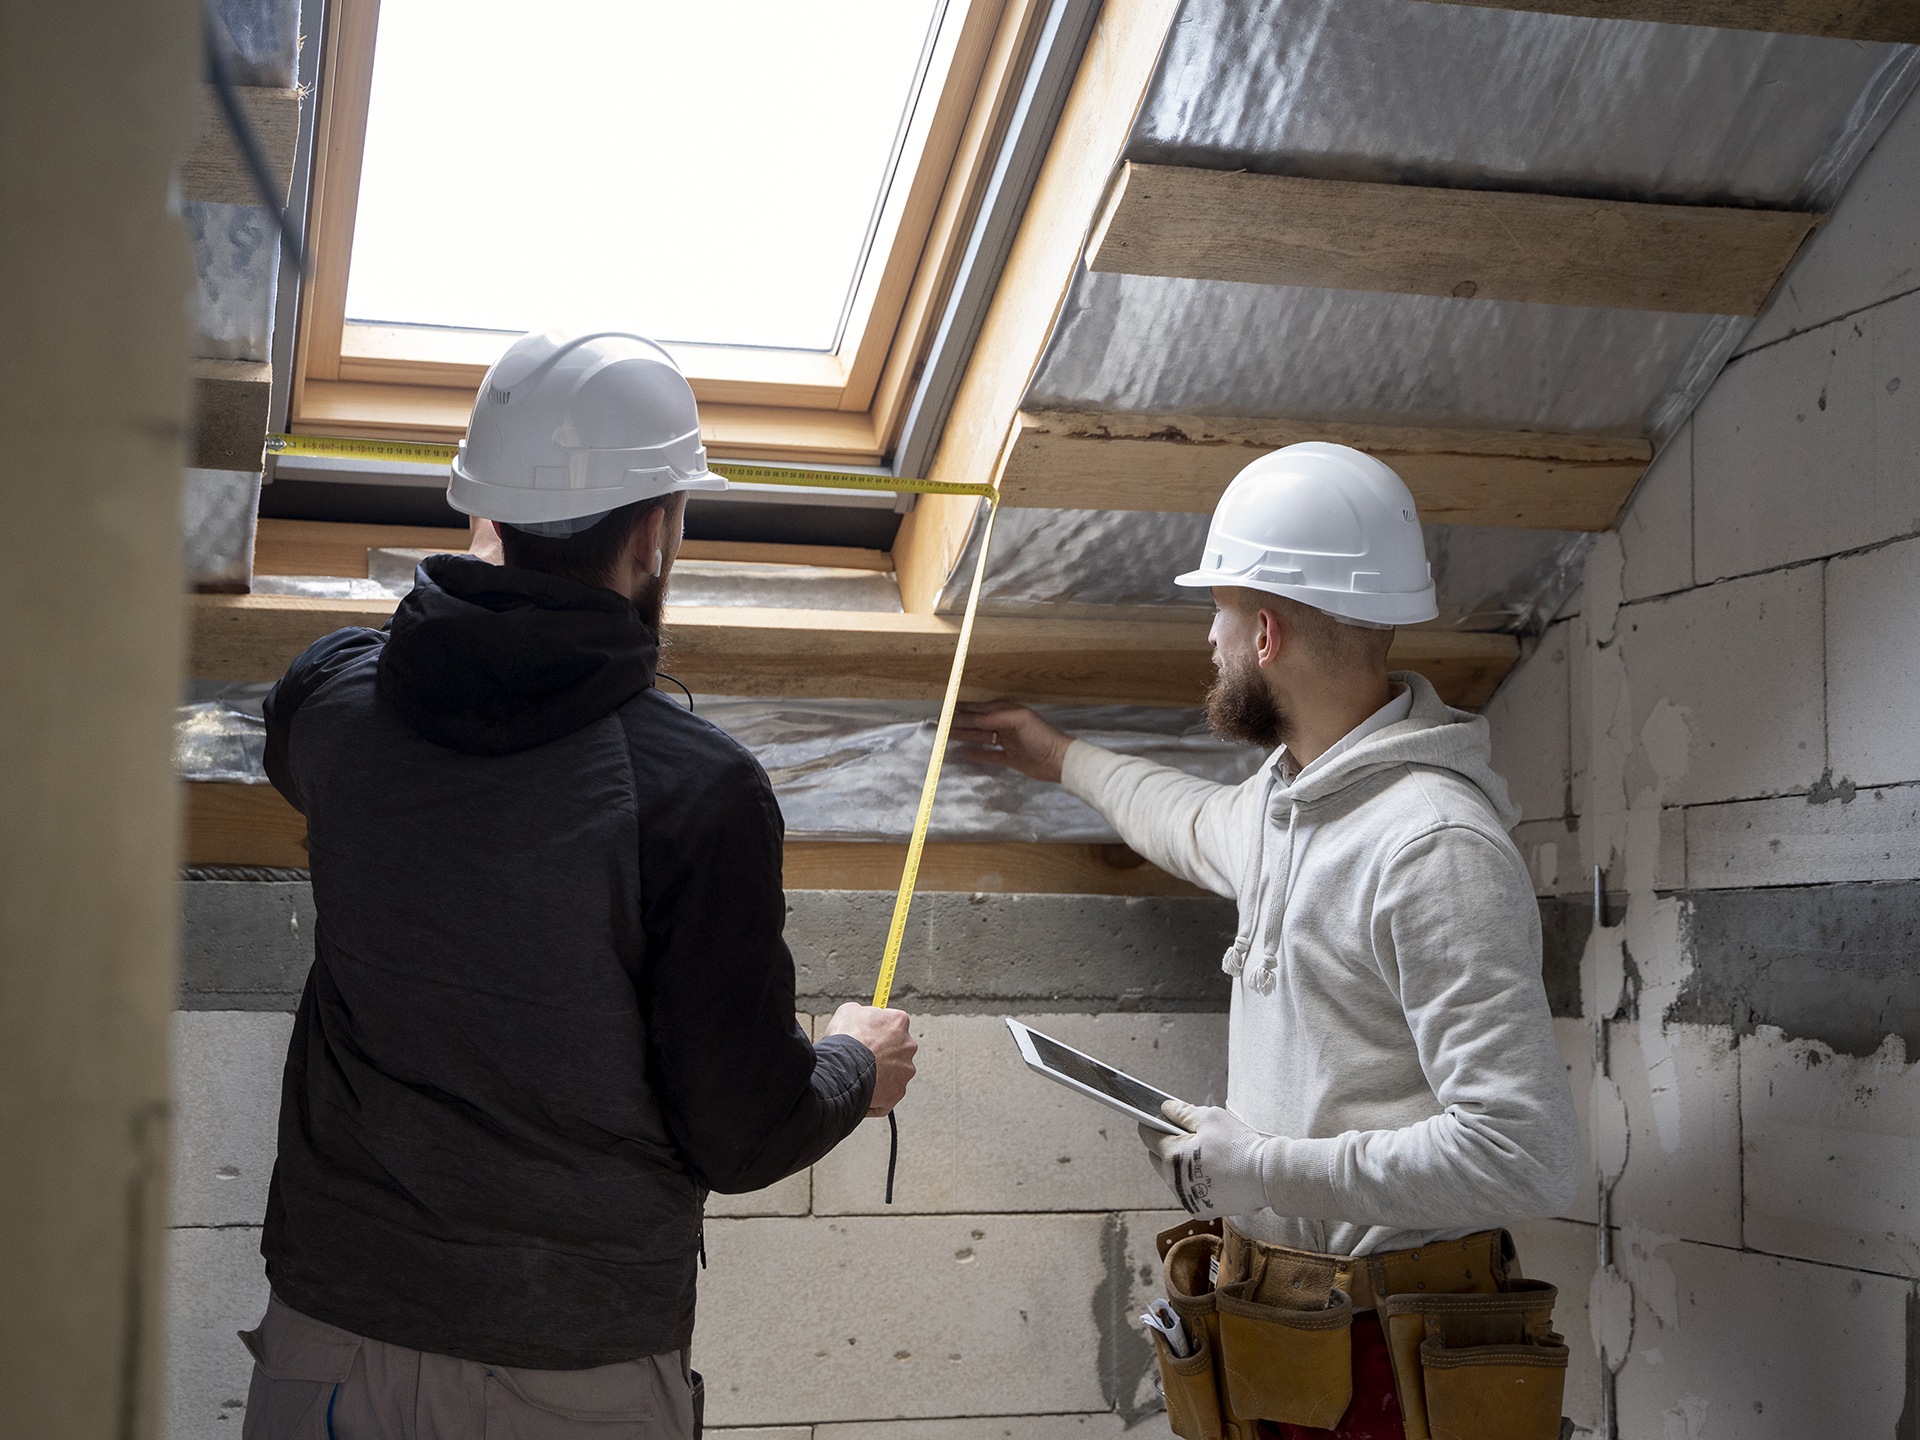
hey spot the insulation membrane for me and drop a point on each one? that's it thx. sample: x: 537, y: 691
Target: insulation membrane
x: 842, y: 770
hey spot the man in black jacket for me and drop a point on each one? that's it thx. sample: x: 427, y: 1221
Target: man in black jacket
x: 550, y: 1006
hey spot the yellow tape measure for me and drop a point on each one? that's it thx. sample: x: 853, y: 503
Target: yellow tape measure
x: 897, y: 930
x: 742, y: 472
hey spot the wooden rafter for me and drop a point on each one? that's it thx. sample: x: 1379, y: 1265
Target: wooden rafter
x: 1098, y: 461
x: 229, y: 824
x: 1142, y: 657
x: 1425, y: 240
x: 1893, y: 21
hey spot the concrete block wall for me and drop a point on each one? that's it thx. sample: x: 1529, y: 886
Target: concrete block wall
x: 1724, y: 724
x: 996, y: 1299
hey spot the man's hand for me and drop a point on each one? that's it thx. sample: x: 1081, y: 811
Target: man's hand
x: 886, y: 1034
x: 998, y: 732
x: 1214, y: 1169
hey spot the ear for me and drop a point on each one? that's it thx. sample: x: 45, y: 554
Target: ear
x: 1269, y: 637
x: 649, y: 542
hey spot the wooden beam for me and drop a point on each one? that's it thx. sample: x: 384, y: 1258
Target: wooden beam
x: 1065, y: 459
x: 214, y: 169
x: 1094, y: 123
x: 1425, y: 240
x: 1893, y: 21
x: 230, y: 402
x: 251, y: 825
x: 1134, y: 656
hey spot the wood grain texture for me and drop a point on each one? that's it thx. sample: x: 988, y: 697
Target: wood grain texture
x: 214, y: 169
x: 1064, y: 459
x: 1425, y: 240
x: 230, y: 403
x: 229, y: 824
x: 1893, y: 21
x: 1133, y: 657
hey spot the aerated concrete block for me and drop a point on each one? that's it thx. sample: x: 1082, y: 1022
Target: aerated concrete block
x: 226, y: 1109
x: 897, y: 1317
x: 1729, y: 1343
x: 980, y: 1133
x: 1551, y: 849
x: 217, y: 1286
x: 1681, y: 1085
x: 1727, y: 689
x: 1832, y: 1146
x: 1873, y: 653
x: 1529, y: 721
x: 1564, y: 1254
x: 244, y: 944
x: 1835, y: 835
x: 1869, y: 249
x: 1806, y: 449
x: 1656, y: 532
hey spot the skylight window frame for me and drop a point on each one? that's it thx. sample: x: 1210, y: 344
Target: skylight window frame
x: 841, y: 407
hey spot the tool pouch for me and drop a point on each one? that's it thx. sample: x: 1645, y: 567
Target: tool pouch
x: 1294, y: 1366
x: 1190, y: 1257
x: 1477, y: 1367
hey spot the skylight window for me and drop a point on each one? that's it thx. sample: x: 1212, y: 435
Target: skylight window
x: 709, y: 174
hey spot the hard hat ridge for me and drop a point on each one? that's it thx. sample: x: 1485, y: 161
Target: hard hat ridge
x: 567, y: 428
x: 1328, y: 526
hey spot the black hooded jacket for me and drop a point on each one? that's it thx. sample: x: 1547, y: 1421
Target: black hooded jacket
x: 550, y: 1006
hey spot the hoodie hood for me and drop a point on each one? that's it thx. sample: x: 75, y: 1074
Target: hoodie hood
x: 491, y: 660
x: 1433, y: 734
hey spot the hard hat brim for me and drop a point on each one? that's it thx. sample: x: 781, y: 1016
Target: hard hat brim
x: 1412, y: 608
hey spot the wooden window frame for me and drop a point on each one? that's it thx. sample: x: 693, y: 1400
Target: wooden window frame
x: 840, y: 408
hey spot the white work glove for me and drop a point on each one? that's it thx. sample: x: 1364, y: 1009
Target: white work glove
x: 1216, y: 1169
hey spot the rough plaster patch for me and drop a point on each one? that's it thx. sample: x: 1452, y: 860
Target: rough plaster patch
x: 1667, y: 740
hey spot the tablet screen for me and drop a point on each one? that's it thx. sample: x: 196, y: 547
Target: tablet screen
x: 1095, y: 1076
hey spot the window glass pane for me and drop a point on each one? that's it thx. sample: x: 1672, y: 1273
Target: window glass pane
x: 702, y: 172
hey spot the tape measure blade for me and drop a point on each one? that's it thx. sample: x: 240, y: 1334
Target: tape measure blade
x: 930, y: 787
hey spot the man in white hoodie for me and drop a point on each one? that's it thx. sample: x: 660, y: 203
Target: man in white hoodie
x: 1393, y: 1080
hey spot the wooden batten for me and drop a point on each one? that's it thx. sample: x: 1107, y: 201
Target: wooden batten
x: 251, y: 825
x: 230, y: 403
x: 1894, y: 22
x: 1426, y: 240
x: 214, y: 170
x: 1140, y: 657
x: 1111, y: 461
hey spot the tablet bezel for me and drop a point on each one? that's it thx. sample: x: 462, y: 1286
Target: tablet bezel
x: 1032, y: 1056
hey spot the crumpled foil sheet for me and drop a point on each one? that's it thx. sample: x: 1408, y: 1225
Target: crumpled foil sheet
x: 842, y: 770
x: 217, y: 513
x: 236, y: 266
x: 263, y: 40
x: 1055, y: 561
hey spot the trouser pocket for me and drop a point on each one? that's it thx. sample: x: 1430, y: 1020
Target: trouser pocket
x: 1291, y: 1366
x: 1191, y: 1383
x: 1477, y: 1367
x: 299, y: 1363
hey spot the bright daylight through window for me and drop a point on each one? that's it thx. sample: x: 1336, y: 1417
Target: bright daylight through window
x: 704, y: 173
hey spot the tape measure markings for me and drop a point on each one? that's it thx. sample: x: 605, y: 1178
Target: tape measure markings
x: 420, y: 452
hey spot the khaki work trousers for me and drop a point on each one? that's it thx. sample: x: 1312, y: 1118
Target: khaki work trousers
x: 313, y: 1381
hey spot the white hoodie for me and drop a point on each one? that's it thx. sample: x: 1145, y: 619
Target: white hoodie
x: 1388, y: 1014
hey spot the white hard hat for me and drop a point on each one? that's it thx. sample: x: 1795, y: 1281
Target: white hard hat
x: 1325, y: 525
x: 568, y: 427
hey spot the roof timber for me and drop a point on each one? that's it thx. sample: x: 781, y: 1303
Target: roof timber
x: 251, y: 825
x: 1136, y: 656
x: 1897, y: 21
x: 1072, y: 459
x: 1426, y: 240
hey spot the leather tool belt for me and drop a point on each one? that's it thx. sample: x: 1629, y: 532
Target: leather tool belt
x: 1472, y: 1343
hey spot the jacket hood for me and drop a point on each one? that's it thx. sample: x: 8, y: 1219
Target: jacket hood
x: 491, y: 660
x: 1434, y: 734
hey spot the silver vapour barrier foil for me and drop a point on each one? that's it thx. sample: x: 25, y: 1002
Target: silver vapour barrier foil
x: 842, y: 770
x: 1379, y: 90
x: 1052, y: 561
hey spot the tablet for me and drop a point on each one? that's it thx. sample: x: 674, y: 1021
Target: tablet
x: 1093, y: 1078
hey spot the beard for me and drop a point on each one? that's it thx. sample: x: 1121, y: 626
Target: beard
x: 1240, y: 707
x: 651, y: 605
